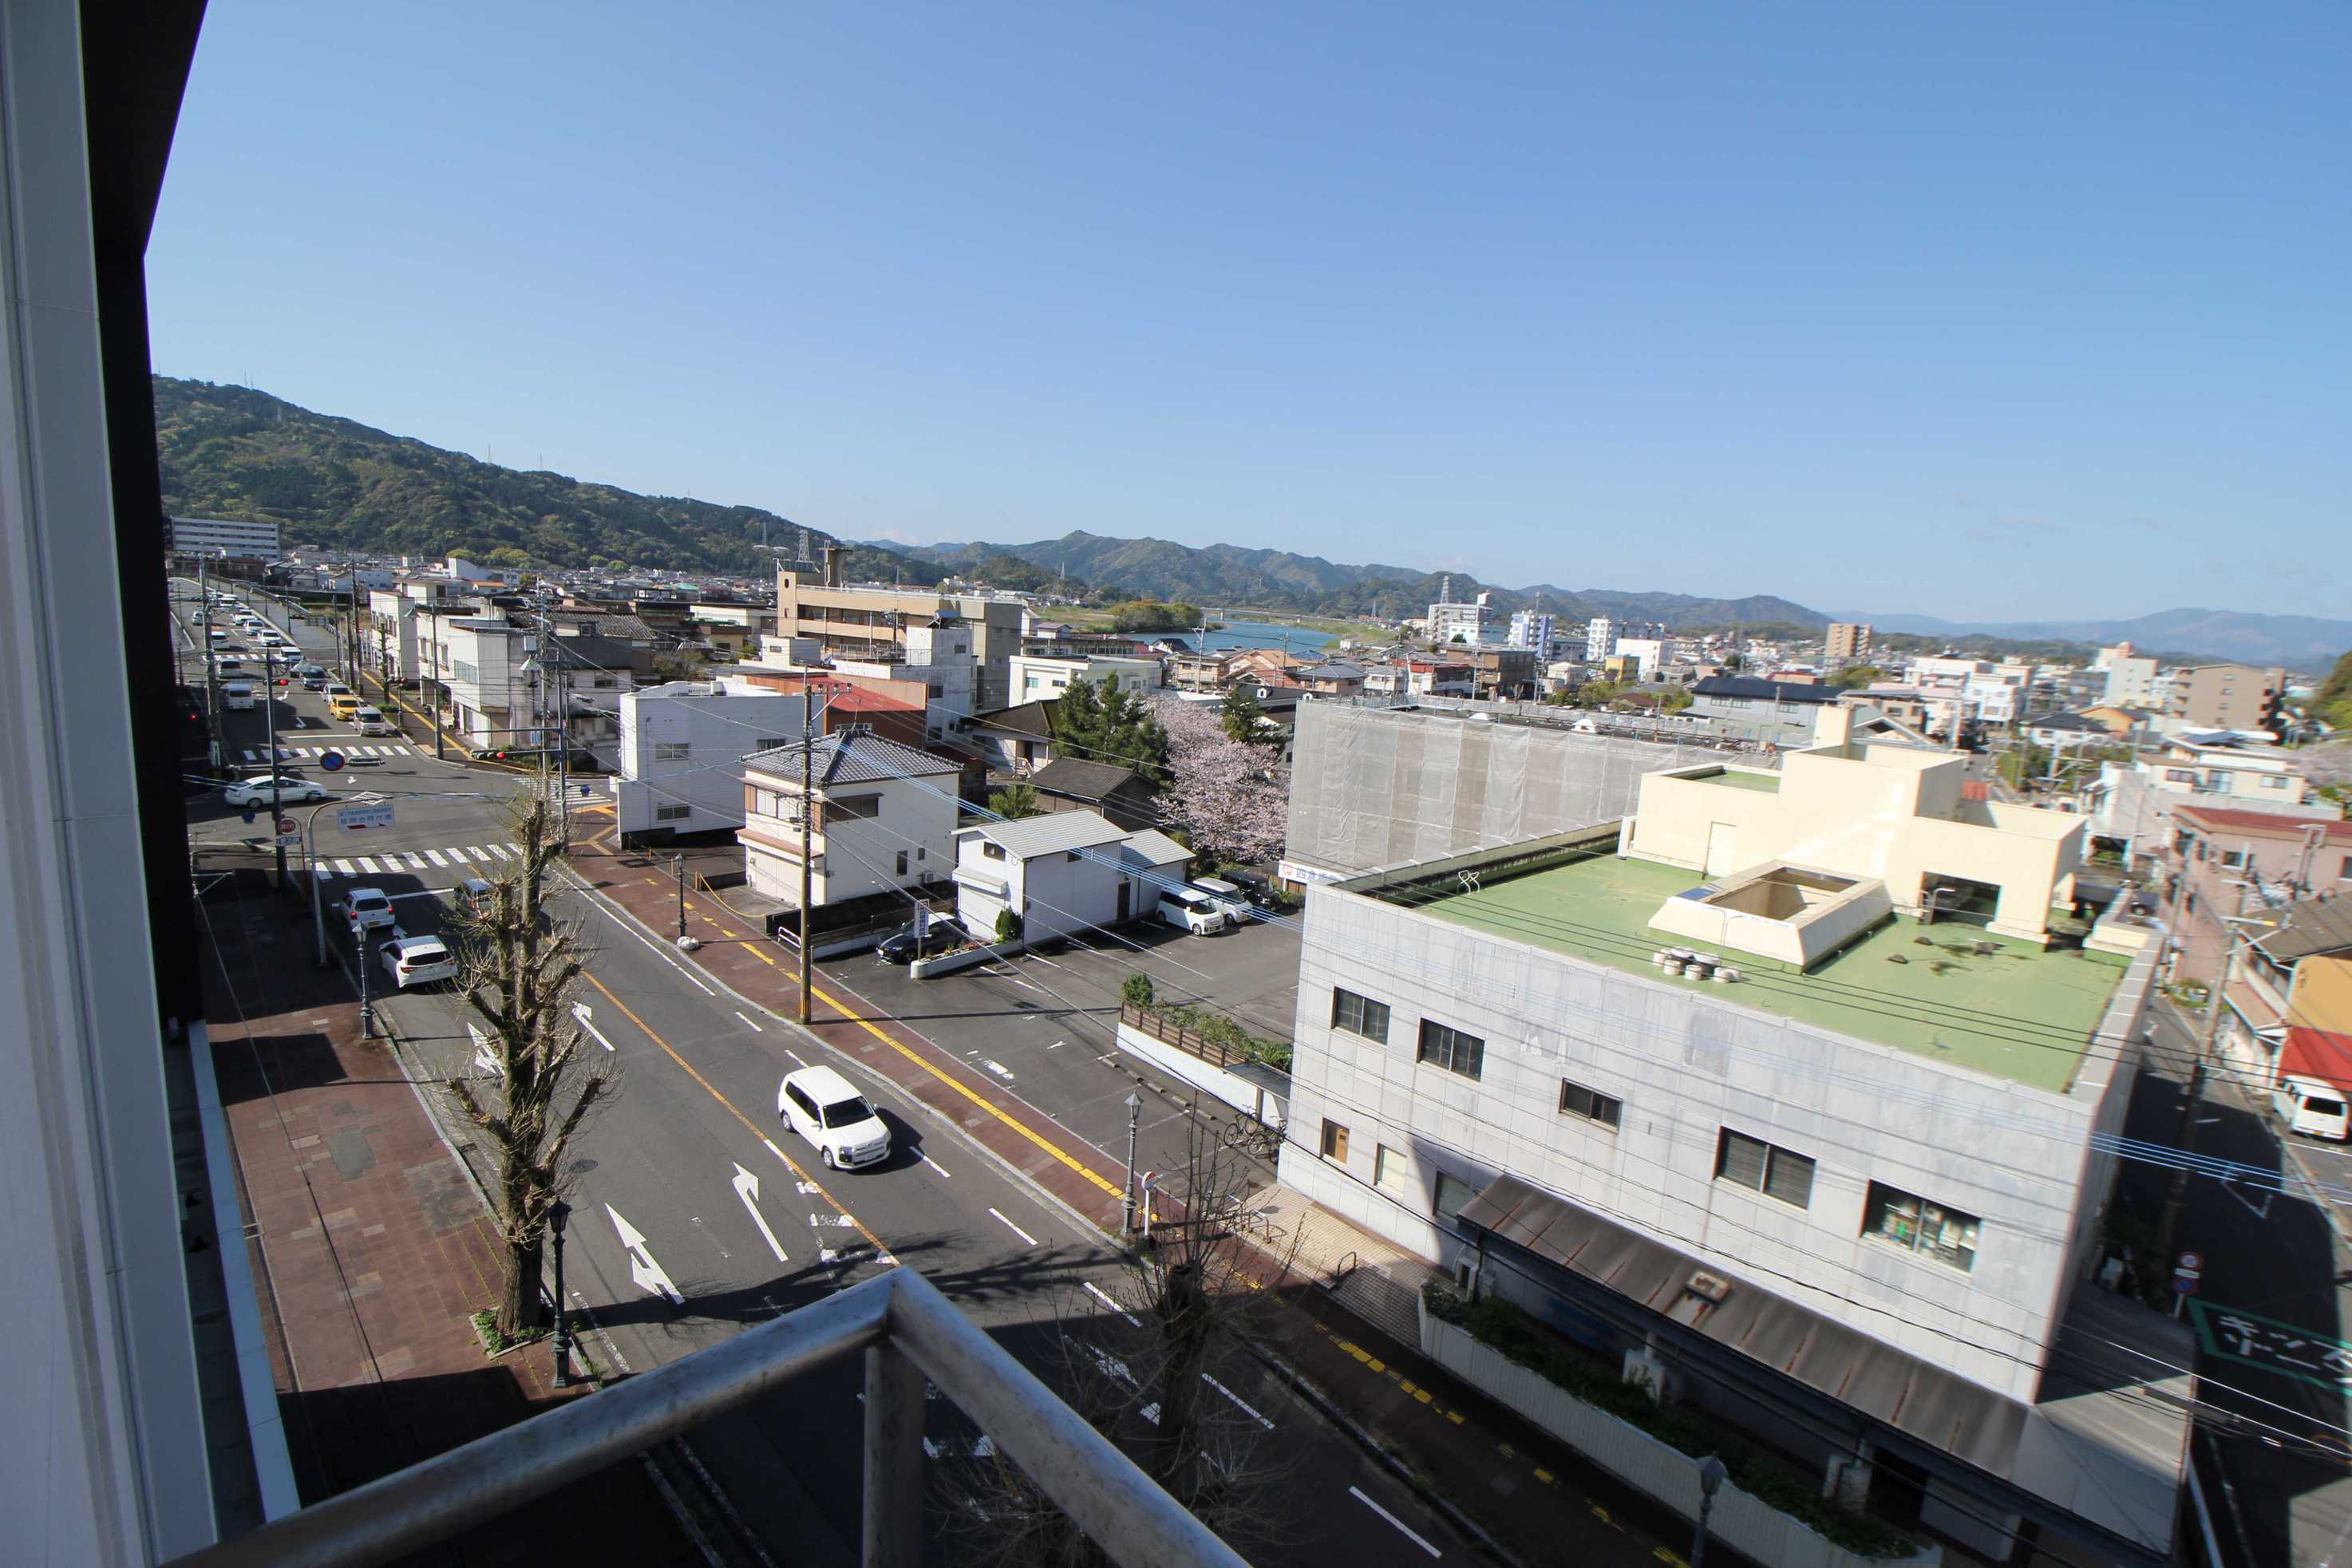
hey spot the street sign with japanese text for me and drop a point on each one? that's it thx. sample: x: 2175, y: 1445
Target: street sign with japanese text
x: 351, y: 819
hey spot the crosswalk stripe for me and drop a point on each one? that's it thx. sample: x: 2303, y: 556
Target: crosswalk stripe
x: 479, y: 853
x: 415, y: 861
x: 251, y: 754
x: 324, y: 870
x: 342, y: 868
x: 435, y: 856
x: 369, y: 865
x: 516, y: 850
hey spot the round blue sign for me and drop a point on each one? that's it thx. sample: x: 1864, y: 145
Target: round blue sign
x: 332, y: 761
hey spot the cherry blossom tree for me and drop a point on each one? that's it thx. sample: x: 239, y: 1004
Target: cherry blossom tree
x: 1231, y: 799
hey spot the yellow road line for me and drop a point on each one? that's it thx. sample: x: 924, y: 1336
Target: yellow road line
x: 754, y: 1128
x: 968, y: 1092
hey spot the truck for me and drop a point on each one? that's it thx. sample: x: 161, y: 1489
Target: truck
x: 237, y: 695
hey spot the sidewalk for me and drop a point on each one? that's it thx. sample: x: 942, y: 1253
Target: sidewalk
x: 1521, y: 1487
x: 370, y: 1248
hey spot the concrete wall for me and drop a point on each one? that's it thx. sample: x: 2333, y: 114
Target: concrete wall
x: 855, y: 856
x: 2322, y: 996
x: 717, y: 729
x: 1372, y: 787
x: 1687, y: 1064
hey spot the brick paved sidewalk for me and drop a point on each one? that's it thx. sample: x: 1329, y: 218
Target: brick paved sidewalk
x: 370, y: 1248
x: 1517, y: 1484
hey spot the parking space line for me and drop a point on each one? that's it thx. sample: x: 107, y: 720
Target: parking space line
x: 1358, y: 1493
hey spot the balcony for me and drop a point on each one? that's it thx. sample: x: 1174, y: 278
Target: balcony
x: 906, y: 1331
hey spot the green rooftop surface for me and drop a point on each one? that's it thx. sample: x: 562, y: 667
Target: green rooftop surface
x: 1762, y: 783
x: 2021, y: 1012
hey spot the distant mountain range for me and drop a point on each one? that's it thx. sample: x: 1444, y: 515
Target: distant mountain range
x: 2305, y: 643
x: 1219, y: 576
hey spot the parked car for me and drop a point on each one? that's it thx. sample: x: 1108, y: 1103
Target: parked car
x: 819, y: 1105
x: 902, y: 947
x: 2311, y: 1107
x: 1188, y: 909
x: 418, y: 961
x: 256, y: 791
x: 1227, y: 897
x: 1257, y: 889
x: 473, y: 895
x: 366, y: 908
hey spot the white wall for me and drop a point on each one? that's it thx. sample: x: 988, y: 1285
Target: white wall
x: 856, y: 857
x: 1685, y: 1064
x: 718, y: 727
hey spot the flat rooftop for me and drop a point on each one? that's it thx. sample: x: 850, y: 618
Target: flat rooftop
x: 1739, y: 778
x: 2017, y: 1011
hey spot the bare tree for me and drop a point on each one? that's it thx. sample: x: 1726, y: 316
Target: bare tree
x: 517, y: 969
x: 1158, y: 1376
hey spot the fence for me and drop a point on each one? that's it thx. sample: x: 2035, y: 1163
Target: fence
x: 1189, y: 1041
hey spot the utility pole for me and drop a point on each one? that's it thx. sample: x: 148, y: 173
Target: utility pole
x: 212, y: 665
x: 270, y: 728
x: 1127, y: 1194
x: 367, y: 1007
x: 678, y: 863
x: 808, y: 825
x: 2176, y: 1194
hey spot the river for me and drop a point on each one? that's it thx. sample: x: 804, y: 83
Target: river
x: 1252, y: 634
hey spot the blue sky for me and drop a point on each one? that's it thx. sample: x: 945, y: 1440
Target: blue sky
x: 1970, y: 310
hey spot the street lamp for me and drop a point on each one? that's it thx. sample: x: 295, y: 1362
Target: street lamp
x: 1127, y: 1202
x: 1711, y: 1474
x: 557, y: 1213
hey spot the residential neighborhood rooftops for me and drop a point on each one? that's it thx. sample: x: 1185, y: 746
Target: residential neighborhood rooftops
x: 1024, y: 718
x: 1053, y: 833
x: 2315, y: 925
x: 1151, y: 847
x: 1771, y: 691
x: 2015, y: 1011
x: 1080, y: 779
x: 850, y: 757
x: 2226, y: 821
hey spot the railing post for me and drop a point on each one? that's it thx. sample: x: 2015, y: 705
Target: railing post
x: 894, y: 1459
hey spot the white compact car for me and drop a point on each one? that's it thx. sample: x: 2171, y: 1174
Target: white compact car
x: 255, y: 793
x: 367, y: 908
x: 1189, y: 909
x: 418, y: 961
x: 819, y: 1105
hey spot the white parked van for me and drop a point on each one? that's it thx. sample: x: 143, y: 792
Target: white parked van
x: 2315, y: 1109
x: 370, y: 721
x: 1188, y: 909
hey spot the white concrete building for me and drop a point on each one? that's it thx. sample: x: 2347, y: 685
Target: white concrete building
x: 1648, y: 650
x: 884, y: 821
x: 235, y: 538
x: 1061, y: 873
x: 1532, y: 628
x: 478, y: 659
x: 1034, y: 677
x: 679, y: 746
x: 1599, y: 638
x: 1474, y: 622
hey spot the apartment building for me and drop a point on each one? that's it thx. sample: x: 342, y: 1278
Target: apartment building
x: 2296, y: 974
x: 1646, y: 653
x: 1533, y: 630
x: 1845, y: 641
x: 870, y: 620
x: 1702, y: 1089
x: 234, y: 538
x: 2131, y: 679
x: 1474, y: 622
x: 885, y: 822
x: 1034, y: 678
x: 2222, y: 865
x: 2228, y: 696
x: 677, y: 750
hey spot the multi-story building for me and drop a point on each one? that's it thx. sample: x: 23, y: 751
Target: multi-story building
x: 677, y: 747
x: 870, y: 620
x: 2131, y: 680
x: 235, y: 539
x: 1703, y: 1090
x: 1599, y: 638
x: 2293, y: 971
x: 1034, y: 678
x: 1845, y: 641
x: 2228, y: 696
x: 2223, y: 866
x: 1772, y: 710
x: 1474, y: 622
x: 885, y: 822
x: 1533, y: 630
x: 1646, y: 652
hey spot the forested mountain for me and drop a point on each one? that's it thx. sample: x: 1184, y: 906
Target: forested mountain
x: 233, y: 452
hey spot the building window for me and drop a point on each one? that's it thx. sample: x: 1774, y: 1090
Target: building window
x: 1360, y: 1015
x: 1917, y: 1226
x: 902, y: 862
x: 1451, y: 1050
x: 466, y: 674
x: 935, y: 693
x: 1451, y: 1194
x: 672, y: 814
x: 2276, y: 780
x: 1335, y: 1141
x: 672, y: 750
x: 2180, y: 775
x: 2235, y: 859
x: 851, y: 807
x: 1393, y: 1172
x: 1576, y: 1100
x: 991, y: 851
x: 1767, y: 1168
x: 768, y: 743
x: 605, y: 683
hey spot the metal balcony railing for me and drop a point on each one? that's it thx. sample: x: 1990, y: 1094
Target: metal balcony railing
x: 907, y: 1332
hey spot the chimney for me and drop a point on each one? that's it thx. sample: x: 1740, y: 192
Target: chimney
x: 831, y: 554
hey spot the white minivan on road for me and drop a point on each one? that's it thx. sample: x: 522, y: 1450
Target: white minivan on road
x: 2315, y: 1109
x: 820, y: 1105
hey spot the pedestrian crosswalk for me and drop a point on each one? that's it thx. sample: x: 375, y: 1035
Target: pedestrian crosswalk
x: 468, y: 860
x: 353, y: 748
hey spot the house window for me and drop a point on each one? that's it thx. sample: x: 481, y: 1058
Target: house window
x: 936, y: 691
x: 2180, y: 775
x: 672, y: 750
x: 991, y: 852
x: 902, y: 862
x: 1360, y: 1015
x: 1576, y: 1100
x: 1914, y: 1224
x: 605, y: 683
x: 851, y: 807
x: 1451, y: 1050
x: 1767, y: 1168
x: 672, y: 814
x: 2235, y: 859
x: 768, y: 743
x: 1335, y: 1141
x: 2274, y: 780
x: 1451, y: 1194
x: 1393, y: 1172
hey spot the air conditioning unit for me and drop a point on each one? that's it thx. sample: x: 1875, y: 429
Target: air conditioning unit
x: 1711, y: 1288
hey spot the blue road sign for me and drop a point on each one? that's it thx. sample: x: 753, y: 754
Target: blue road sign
x: 331, y: 761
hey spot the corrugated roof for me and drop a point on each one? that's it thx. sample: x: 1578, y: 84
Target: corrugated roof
x: 1151, y: 847
x: 851, y: 757
x: 1084, y: 780
x: 2317, y: 1053
x: 1775, y: 691
x: 2315, y: 925
x: 1054, y: 832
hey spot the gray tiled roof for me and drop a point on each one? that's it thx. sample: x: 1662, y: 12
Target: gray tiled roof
x: 1053, y: 832
x: 852, y: 758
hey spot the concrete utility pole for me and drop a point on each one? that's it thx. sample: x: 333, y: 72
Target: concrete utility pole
x: 808, y: 822
x: 2176, y: 1194
x: 212, y: 665
x: 1127, y: 1194
x: 678, y: 863
x: 269, y: 729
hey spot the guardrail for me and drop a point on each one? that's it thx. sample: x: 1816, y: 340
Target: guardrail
x: 907, y: 1332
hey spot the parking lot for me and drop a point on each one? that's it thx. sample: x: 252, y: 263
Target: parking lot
x: 1046, y: 1024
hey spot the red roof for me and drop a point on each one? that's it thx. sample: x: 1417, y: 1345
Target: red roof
x: 2317, y: 1053
x: 2269, y: 824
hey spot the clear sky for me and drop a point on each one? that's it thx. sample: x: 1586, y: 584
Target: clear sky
x: 1974, y: 310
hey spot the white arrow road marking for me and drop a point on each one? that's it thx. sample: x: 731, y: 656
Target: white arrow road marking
x: 1358, y: 1492
x: 1014, y: 1229
x: 997, y: 1067
x: 586, y: 1019
x: 755, y: 1029
x: 646, y: 1274
x: 1096, y: 1292
x: 747, y: 1188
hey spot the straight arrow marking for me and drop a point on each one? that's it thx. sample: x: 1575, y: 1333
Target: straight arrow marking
x: 585, y: 1019
x: 644, y: 1272
x: 747, y: 1188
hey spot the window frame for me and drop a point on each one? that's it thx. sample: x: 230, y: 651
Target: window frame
x: 1384, y: 1157
x: 671, y: 811
x: 673, y: 751
x: 1881, y: 1201
x: 1448, y: 1052
x: 1332, y: 1143
x: 1603, y: 1110
x: 1768, y: 1165
x: 1361, y: 1027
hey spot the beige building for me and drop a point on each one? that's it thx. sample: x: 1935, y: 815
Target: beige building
x: 867, y: 621
x: 2228, y: 696
x: 1847, y: 640
x: 1841, y: 833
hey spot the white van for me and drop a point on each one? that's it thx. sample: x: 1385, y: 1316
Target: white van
x: 237, y: 695
x: 1188, y: 909
x: 370, y: 721
x: 2315, y: 1109
x: 820, y: 1105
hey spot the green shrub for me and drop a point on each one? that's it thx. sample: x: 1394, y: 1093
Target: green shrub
x: 1008, y: 925
x: 1137, y: 990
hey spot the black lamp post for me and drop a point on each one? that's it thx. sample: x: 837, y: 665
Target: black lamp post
x: 1712, y: 1472
x: 556, y: 1214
